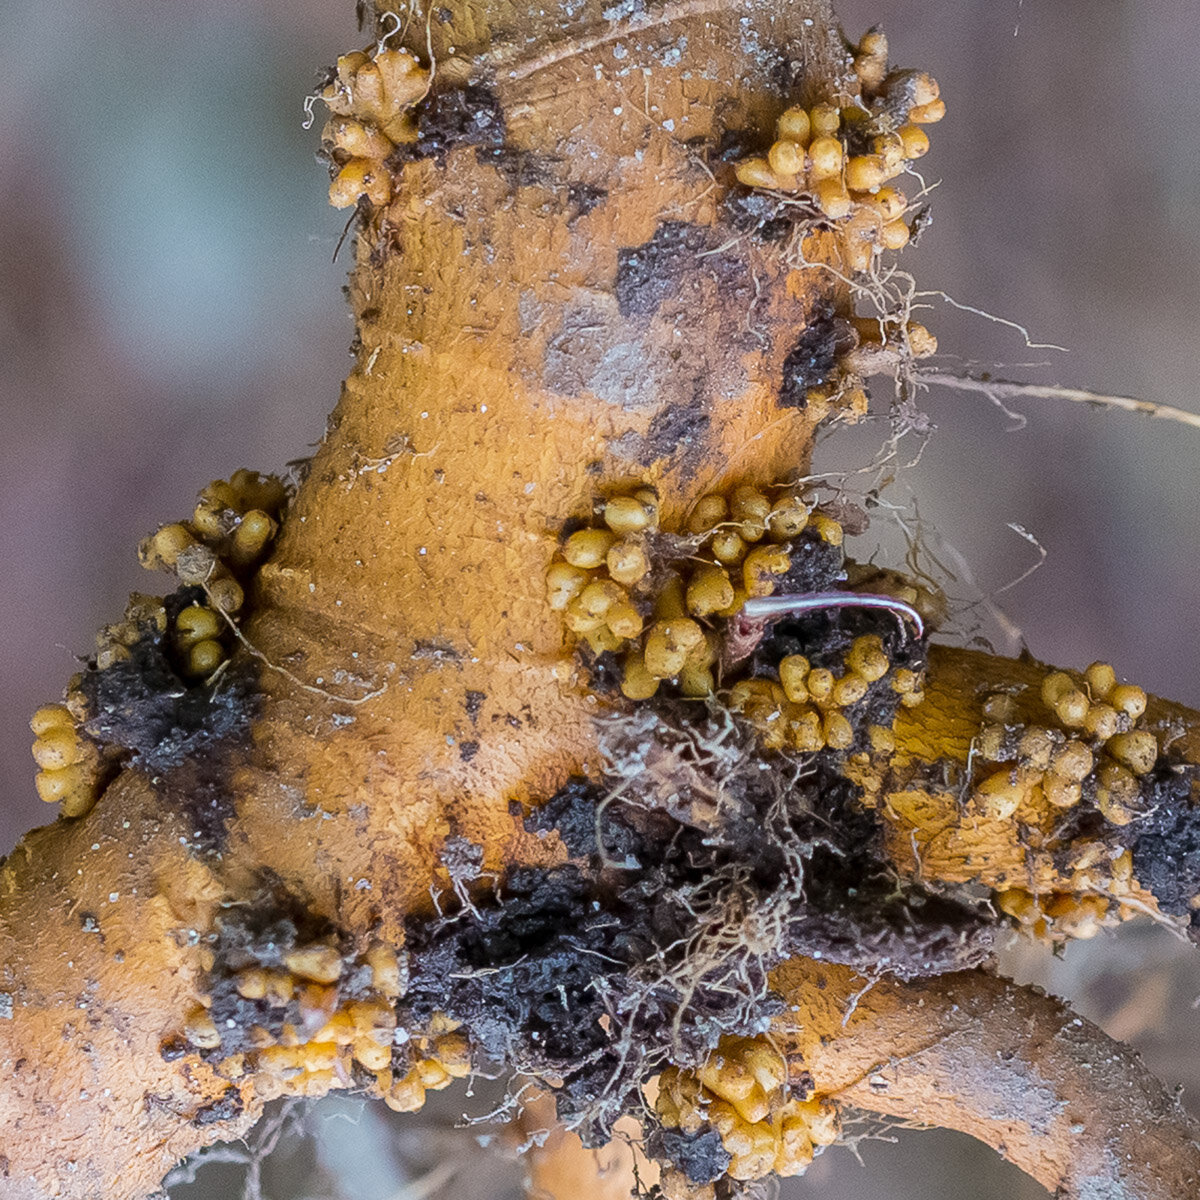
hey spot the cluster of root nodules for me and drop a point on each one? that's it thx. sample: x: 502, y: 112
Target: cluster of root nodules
x: 838, y: 159
x: 371, y: 95
x: 654, y: 606
x: 1113, y: 796
x: 299, y: 1008
x: 1076, y: 808
x: 749, y: 604
x: 158, y: 688
x: 691, y: 869
x: 831, y: 177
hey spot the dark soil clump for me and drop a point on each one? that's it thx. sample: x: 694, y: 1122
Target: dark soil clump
x: 142, y: 705
x: 1166, y: 854
x: 655, y: 940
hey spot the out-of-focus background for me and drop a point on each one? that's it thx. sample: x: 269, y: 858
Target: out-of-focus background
x: 169, y: 312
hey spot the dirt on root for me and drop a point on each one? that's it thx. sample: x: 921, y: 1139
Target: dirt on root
x: 696, y: 865
x: 144, y: 706
x: 813, y: 358
x: 1166, y: 841
x: 182, y: 733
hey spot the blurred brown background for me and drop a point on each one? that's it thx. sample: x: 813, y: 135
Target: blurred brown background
x: 169, y: 312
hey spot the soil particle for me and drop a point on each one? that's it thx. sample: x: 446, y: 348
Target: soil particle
x: 701, y: 1156
x: 816, y: 566
x: 1166, y: 854
x: 173, y: 1048
x: 762, y: 217
x: 183, y: 734
x: 583, y: 197
x: 649, y: 273
x: 460, y: 116
x: 141, y: 705
x: 732, y: 146
x: 438, y: 649
x: 813, y: 358
x: 571, y: 813
x: 519, y: 168
x: 225, y: 1109
x: 550, y: 978
x: 898, y: 94
x: 677, y: 432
